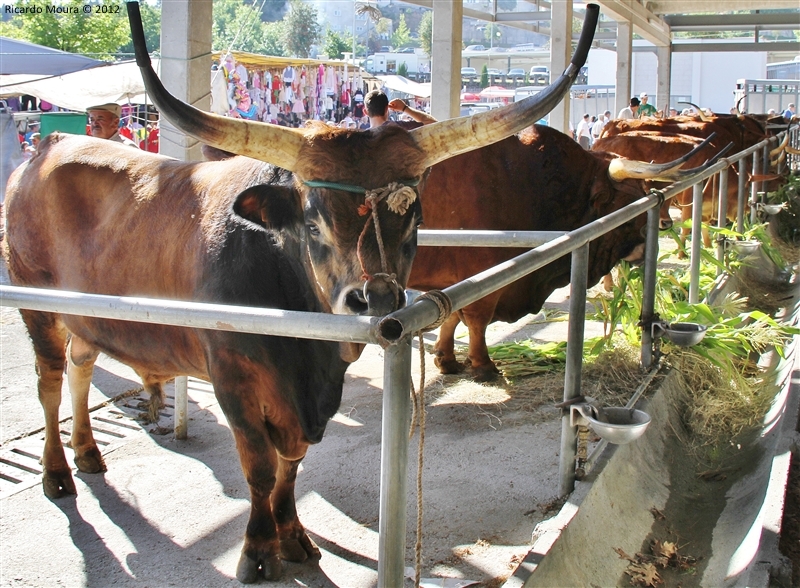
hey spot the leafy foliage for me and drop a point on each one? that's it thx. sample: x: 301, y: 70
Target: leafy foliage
x: 402, y: 35
x: 301, y: 28
x: 335, y: 44
x: 237, y: 27
x: 425, y: 32
x: 95, y: 34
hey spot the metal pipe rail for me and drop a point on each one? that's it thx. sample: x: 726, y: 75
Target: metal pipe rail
x: 200, y: 315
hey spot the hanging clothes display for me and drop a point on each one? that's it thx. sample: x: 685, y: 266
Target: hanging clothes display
x: 287, y: 93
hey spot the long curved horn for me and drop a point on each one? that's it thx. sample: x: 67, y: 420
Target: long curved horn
x: 738, y: 102
x: 447, y: 138
x: 791, y: 150
x: 780, y: 147
x: 620, y: 169
x: 271, y: 143
x: 679, y: 174
x: 699, y: 110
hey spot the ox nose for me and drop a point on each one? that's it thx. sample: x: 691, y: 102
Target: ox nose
x: 380, y: 295
x: 665, y: 224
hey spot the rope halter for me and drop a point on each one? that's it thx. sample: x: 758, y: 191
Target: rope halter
x: 399, y: 197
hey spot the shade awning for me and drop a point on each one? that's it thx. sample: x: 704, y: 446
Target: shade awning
x: 23, y: 58
x: 402, y: 84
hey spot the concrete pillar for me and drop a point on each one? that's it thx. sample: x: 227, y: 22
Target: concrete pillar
x: 560, y: 54
x: 446, y: 59
x: 185, y: 67
x: 624, y: 59
x: 664, y: 90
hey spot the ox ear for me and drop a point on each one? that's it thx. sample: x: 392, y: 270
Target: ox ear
x: 268, y: 207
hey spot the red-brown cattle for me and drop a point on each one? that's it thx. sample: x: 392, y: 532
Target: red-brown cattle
x: 539, y: 181
x: 94, y: 216
x: 665, y: 139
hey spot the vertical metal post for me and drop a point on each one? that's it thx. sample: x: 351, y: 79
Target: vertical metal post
x: 394, y: 463
x: 754, y: 188
x: 572, y: 375
x: 181, y: 415
x: 697, y: 242
x: 742, y: 197
x: 722, y: 213
x: 649, y: 286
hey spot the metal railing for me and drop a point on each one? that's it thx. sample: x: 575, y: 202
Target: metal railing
x: 396, y: 330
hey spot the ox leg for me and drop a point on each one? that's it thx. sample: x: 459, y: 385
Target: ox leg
x: 49, y: 339
x: 444, y: 349
x: 155, y: 402
x: 296, y: 545
x: 477, y: 317
x: 259, y: 460
x: 80, y: 366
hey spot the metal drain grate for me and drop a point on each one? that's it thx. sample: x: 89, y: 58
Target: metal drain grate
x: 112, y: 425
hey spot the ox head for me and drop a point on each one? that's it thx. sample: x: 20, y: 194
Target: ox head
x: 358, y: 191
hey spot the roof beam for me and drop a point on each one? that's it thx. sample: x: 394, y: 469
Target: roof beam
x: 644, y: 22
x: 792, y: 46
x: 733, y: 22
x: 718, y: 6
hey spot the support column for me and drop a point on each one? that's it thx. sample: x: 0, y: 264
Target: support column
x: 446, y: 59
x: 185, y: 68
x: 664, y: 56
x: 560, y: 54
x: 624, y: 60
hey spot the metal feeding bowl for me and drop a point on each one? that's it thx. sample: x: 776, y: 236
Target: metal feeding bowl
x: 743, y: 248
x: 683, y: 334
x: 771, y: 208
x: 615, y: 425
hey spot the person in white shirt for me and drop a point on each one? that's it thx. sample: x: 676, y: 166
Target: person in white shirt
x: 630, y: 111
x: 602, y: 120
x: 583, y: 132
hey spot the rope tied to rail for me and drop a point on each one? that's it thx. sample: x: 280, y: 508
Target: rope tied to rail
x: 445, y: 306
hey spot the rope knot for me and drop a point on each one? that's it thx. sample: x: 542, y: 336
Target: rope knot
x: 399, y: 197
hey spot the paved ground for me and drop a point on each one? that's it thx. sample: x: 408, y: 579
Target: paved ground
x: 172, y: 513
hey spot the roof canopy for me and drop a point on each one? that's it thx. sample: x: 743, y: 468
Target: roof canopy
x: 21, y: 57
x: 119, y: 82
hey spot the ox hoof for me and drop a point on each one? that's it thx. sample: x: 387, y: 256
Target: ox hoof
x: 484, y: 373
x: 248, y: 569
x: 299, y: 550
x: 448, y: 366
x: 58, y: 485
x: 91, y: 463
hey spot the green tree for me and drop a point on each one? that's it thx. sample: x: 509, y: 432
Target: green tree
x: 301, y: 28
x: 237, y: 27
x: 492, y: 34
x: 151, y: 20
x: 96, y: 34
x: 273, y: 39
x: 402, y: 35
x: 425, y: 32
x: 402, y: 70
x: 506, y: 5
x: 335, y: 44
x: 484, y: 77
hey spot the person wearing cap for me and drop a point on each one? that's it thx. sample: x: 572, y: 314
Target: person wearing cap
x: 645, y: 109
x: 630, y: 111
x: 104, y: 123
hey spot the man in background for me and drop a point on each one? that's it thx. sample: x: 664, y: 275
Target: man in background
x: 645, y: 108
x: 630, y: 111
x: 104, y: 123
x: 378, y: 107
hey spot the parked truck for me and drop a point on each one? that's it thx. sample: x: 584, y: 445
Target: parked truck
x: 389, y: 63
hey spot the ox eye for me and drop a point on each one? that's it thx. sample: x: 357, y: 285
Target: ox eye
x: 313, y: 229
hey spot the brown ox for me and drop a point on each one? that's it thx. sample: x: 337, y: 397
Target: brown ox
x: 539, y: 181
x: 666, y: 139
x: 87, y: 214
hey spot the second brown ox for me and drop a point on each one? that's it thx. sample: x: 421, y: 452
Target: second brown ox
x: 539, y: 181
